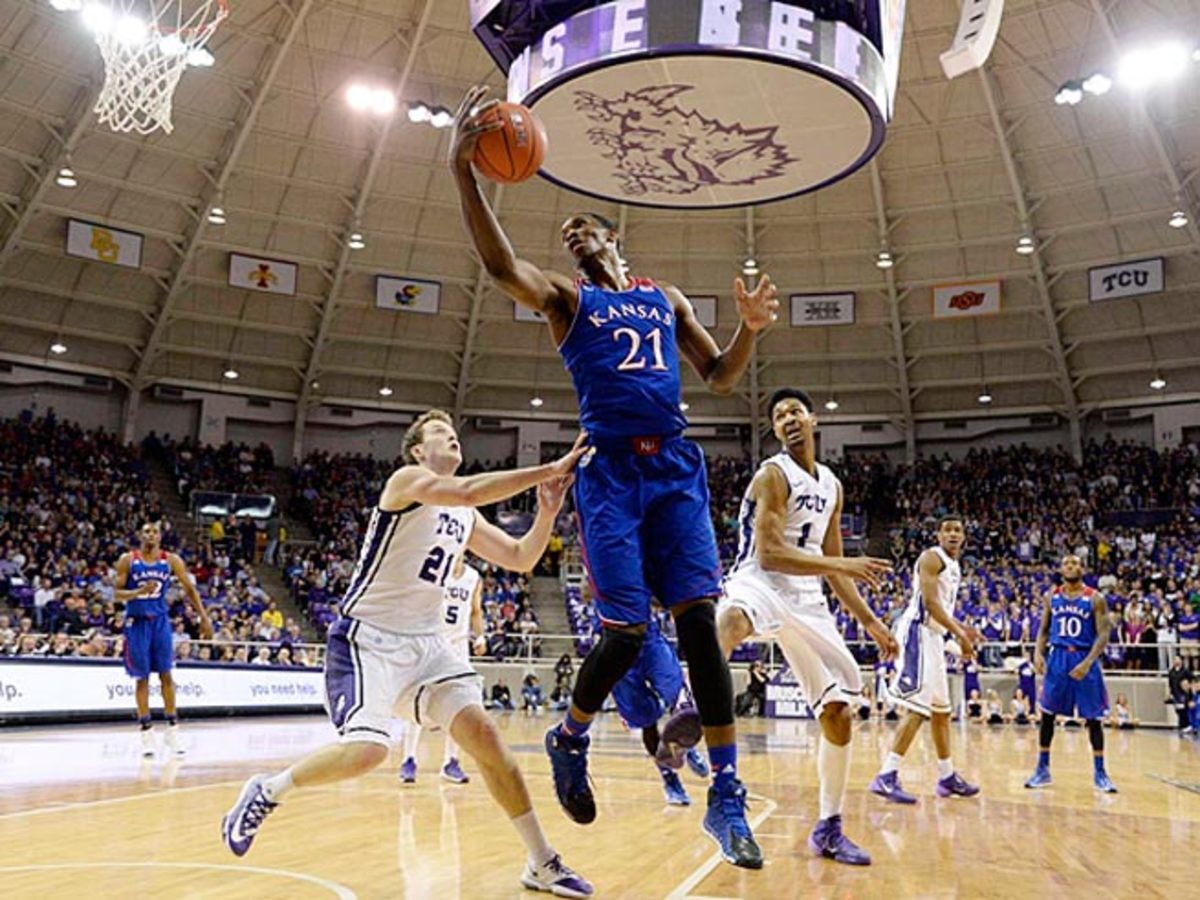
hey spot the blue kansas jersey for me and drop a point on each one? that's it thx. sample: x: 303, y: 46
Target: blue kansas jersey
x: 158, y: 572
x: 1072, y: 620
x: 622, y: 356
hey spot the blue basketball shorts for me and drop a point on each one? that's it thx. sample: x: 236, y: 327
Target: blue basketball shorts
x: 1062, y: 695
x: 149, y: 646
x: 645, y: 525
x: 650, y: 688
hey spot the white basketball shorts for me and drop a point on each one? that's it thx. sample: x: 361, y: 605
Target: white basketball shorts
x: 373, y: 676
x: 920, y: 682
x: 807, y: 634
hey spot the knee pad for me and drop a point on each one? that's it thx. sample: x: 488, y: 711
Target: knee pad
x: 712, y: 687
x: 607, y: 664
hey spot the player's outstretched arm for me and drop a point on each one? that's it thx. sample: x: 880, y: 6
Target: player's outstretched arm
x: 550, y: 293
x: 722, y: 369
x: 522, y: 554
x: 180, y: 571
x: 417, y: 484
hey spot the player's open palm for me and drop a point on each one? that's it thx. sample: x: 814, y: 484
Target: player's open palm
x: 565, y: 465
x: 551, y: 493
x: 469, y: 124
x: 868, y: 569
x: 757, y: 308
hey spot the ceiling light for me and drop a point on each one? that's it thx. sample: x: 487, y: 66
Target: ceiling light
x: 66, y: 177
x: 985, y: 397
x: 831, y: 404
x: 684, y: 406
x: 231, y: 373
x: 1147, y: 65
x: 1069, y: 94
x: 1097, y: 84
x: 1025, y: 245
x: 216, y: 216
x: 358, y: 96
x: 750, y: 266
x: 884, y: 260
x: 1157, y: 383
x: 58, y: 348
x: 385, y: 391
x: 356, y: 241
x: 97, y: 18
x: 536, y: 402
x: 1178, y: 219
x: 200, y: 58
x: 441, y: 118
x: 67, y: 5
x: 419, y: 112
x: 383, y: 102
x: 316, y: 385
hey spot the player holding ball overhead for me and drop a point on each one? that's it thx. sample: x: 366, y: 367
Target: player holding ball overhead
x: 642, y: 496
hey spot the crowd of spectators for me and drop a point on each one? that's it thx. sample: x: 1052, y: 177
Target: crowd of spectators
x: 231, y: 468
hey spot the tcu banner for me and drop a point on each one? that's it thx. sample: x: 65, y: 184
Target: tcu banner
x: 785, y: 697
x: 1129, y: 279
x: 822, y: 309
x: 970, y: 298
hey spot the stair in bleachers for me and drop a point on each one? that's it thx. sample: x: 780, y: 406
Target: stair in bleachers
x: 546, y: 594
x: 271, y: 580
x: 162, y: 481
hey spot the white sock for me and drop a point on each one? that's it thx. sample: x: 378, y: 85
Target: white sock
x: 833, y: 771
x: 451, y: 750
x: 412, y: 735
x: 277, y: 786
x: 891, y: 763
x: 945, y: 768
x: 530, y: 830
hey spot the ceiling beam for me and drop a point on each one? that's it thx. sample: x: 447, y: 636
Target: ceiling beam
x: 294, y: 20
x: 1065, y: 383
x: 893, y: 302
x: 477, y: 294
x: 321, y: 338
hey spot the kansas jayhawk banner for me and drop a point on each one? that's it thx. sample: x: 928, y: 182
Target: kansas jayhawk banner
x: 255, y: 273
x: 969, y: 298
x: 408, y: 294
x: 104, y: 243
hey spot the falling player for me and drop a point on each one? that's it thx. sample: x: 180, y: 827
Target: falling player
x: 463, y: 617
x: 143, y: 576
x: 642, y: 499
x: 653, y: 687
x: 921, y: 684
x: 790, y: 537
x: 388, y: 651
x: 1075, y: 625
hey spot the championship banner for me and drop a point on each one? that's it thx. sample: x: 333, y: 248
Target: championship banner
x: 785, y: 697
x: 822, y: 309
x: 104, y: 244
x: 47, y: 687
x: 255, y: 273
x: 705, y: 306
x: 525, y: 314
x: 1128, y: 279
x: 968, y: 298
x: 408, y: 294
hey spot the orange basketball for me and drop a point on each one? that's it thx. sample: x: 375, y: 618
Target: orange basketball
x: 515, y: 152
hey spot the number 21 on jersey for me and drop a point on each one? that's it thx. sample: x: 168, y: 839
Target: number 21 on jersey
x: 436, y: 567
x: 634, y: 360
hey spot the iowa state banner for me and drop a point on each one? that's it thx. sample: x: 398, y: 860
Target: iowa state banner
x: 256, y: 273
x: 408, y: 294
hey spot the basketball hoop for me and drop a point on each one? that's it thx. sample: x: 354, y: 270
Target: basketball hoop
x: 146, y: 45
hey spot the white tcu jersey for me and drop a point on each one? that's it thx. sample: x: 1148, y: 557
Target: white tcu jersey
x: 810, y: 505
x: 406, y: 560
x: 458, y: 593
x: 948, y: 581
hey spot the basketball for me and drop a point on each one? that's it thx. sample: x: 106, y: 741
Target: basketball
x: 515, y: 152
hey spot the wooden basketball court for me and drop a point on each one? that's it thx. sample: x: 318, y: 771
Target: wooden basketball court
x: 82, y: 815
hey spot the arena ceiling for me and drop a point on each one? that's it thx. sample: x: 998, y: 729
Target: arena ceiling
x: 968, y: 167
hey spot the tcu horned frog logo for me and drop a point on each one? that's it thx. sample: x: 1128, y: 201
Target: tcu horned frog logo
x: 659, y: 147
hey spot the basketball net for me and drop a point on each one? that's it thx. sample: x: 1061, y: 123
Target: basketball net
x: 146, y: 45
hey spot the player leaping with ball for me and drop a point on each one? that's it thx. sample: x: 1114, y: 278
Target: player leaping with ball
x: 642, y: 499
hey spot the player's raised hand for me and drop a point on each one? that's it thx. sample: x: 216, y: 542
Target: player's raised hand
x: 469, y: 124
x: 869, y: 569
x: 757, y: 308
x: 888, y: 648
x: 565, y: 465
